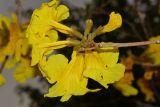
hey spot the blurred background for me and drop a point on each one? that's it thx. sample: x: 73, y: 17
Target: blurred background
x: 141, y: 21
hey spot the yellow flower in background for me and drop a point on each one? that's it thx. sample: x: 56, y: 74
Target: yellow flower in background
x: 153, y: 50
x: 146, y: 89
x: 24, y: 71
x: 124, y: 85
x: 88, y: 60
x: 14, y: 37
x: 17, y: 44
x: 2, y: 80
x: 4, y: 35
x: 4, y: 22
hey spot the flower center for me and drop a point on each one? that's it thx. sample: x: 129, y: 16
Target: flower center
x: 87, y: 43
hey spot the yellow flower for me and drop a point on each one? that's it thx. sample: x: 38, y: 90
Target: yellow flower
x: 18, y: 43
x: 24, y: 71
x: 89, y: 60
x: 41, y: 30
x: 2, y: 80
x: 68, y: 77
x: 153, y: 50
x: 41, y: 21
x: 125, y: 85
x: 71, y: 79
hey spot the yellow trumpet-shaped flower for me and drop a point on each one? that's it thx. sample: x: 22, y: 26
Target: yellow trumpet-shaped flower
x: 42, y: 19
x: 71, y: 79
x: 41, y: 28
x: 2, y: 80
x: 68, y: 77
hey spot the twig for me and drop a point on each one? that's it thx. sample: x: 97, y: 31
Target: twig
x: 120, y: 45
x: 18, y: 9
x: 150, y: 66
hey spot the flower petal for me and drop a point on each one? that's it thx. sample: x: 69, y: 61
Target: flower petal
x: 35, y: 55
x: 115, y: 21
x: 96, y: 70
x: 53, y: 67
x: 24, y: 71
x: 126, y: 89
x: 109, y: 56
x: 38, y: 51
x: 62, y: 13
x: 113, y: 74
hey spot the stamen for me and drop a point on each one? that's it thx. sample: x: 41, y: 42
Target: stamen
x: 97, y: 32
x: 89, y: 24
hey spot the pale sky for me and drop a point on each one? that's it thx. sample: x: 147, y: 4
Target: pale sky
x: 8, y: 97
x: 7, y: 6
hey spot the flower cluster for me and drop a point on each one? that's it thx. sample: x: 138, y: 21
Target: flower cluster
x: 88, y: 61
x: 14, y: 49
